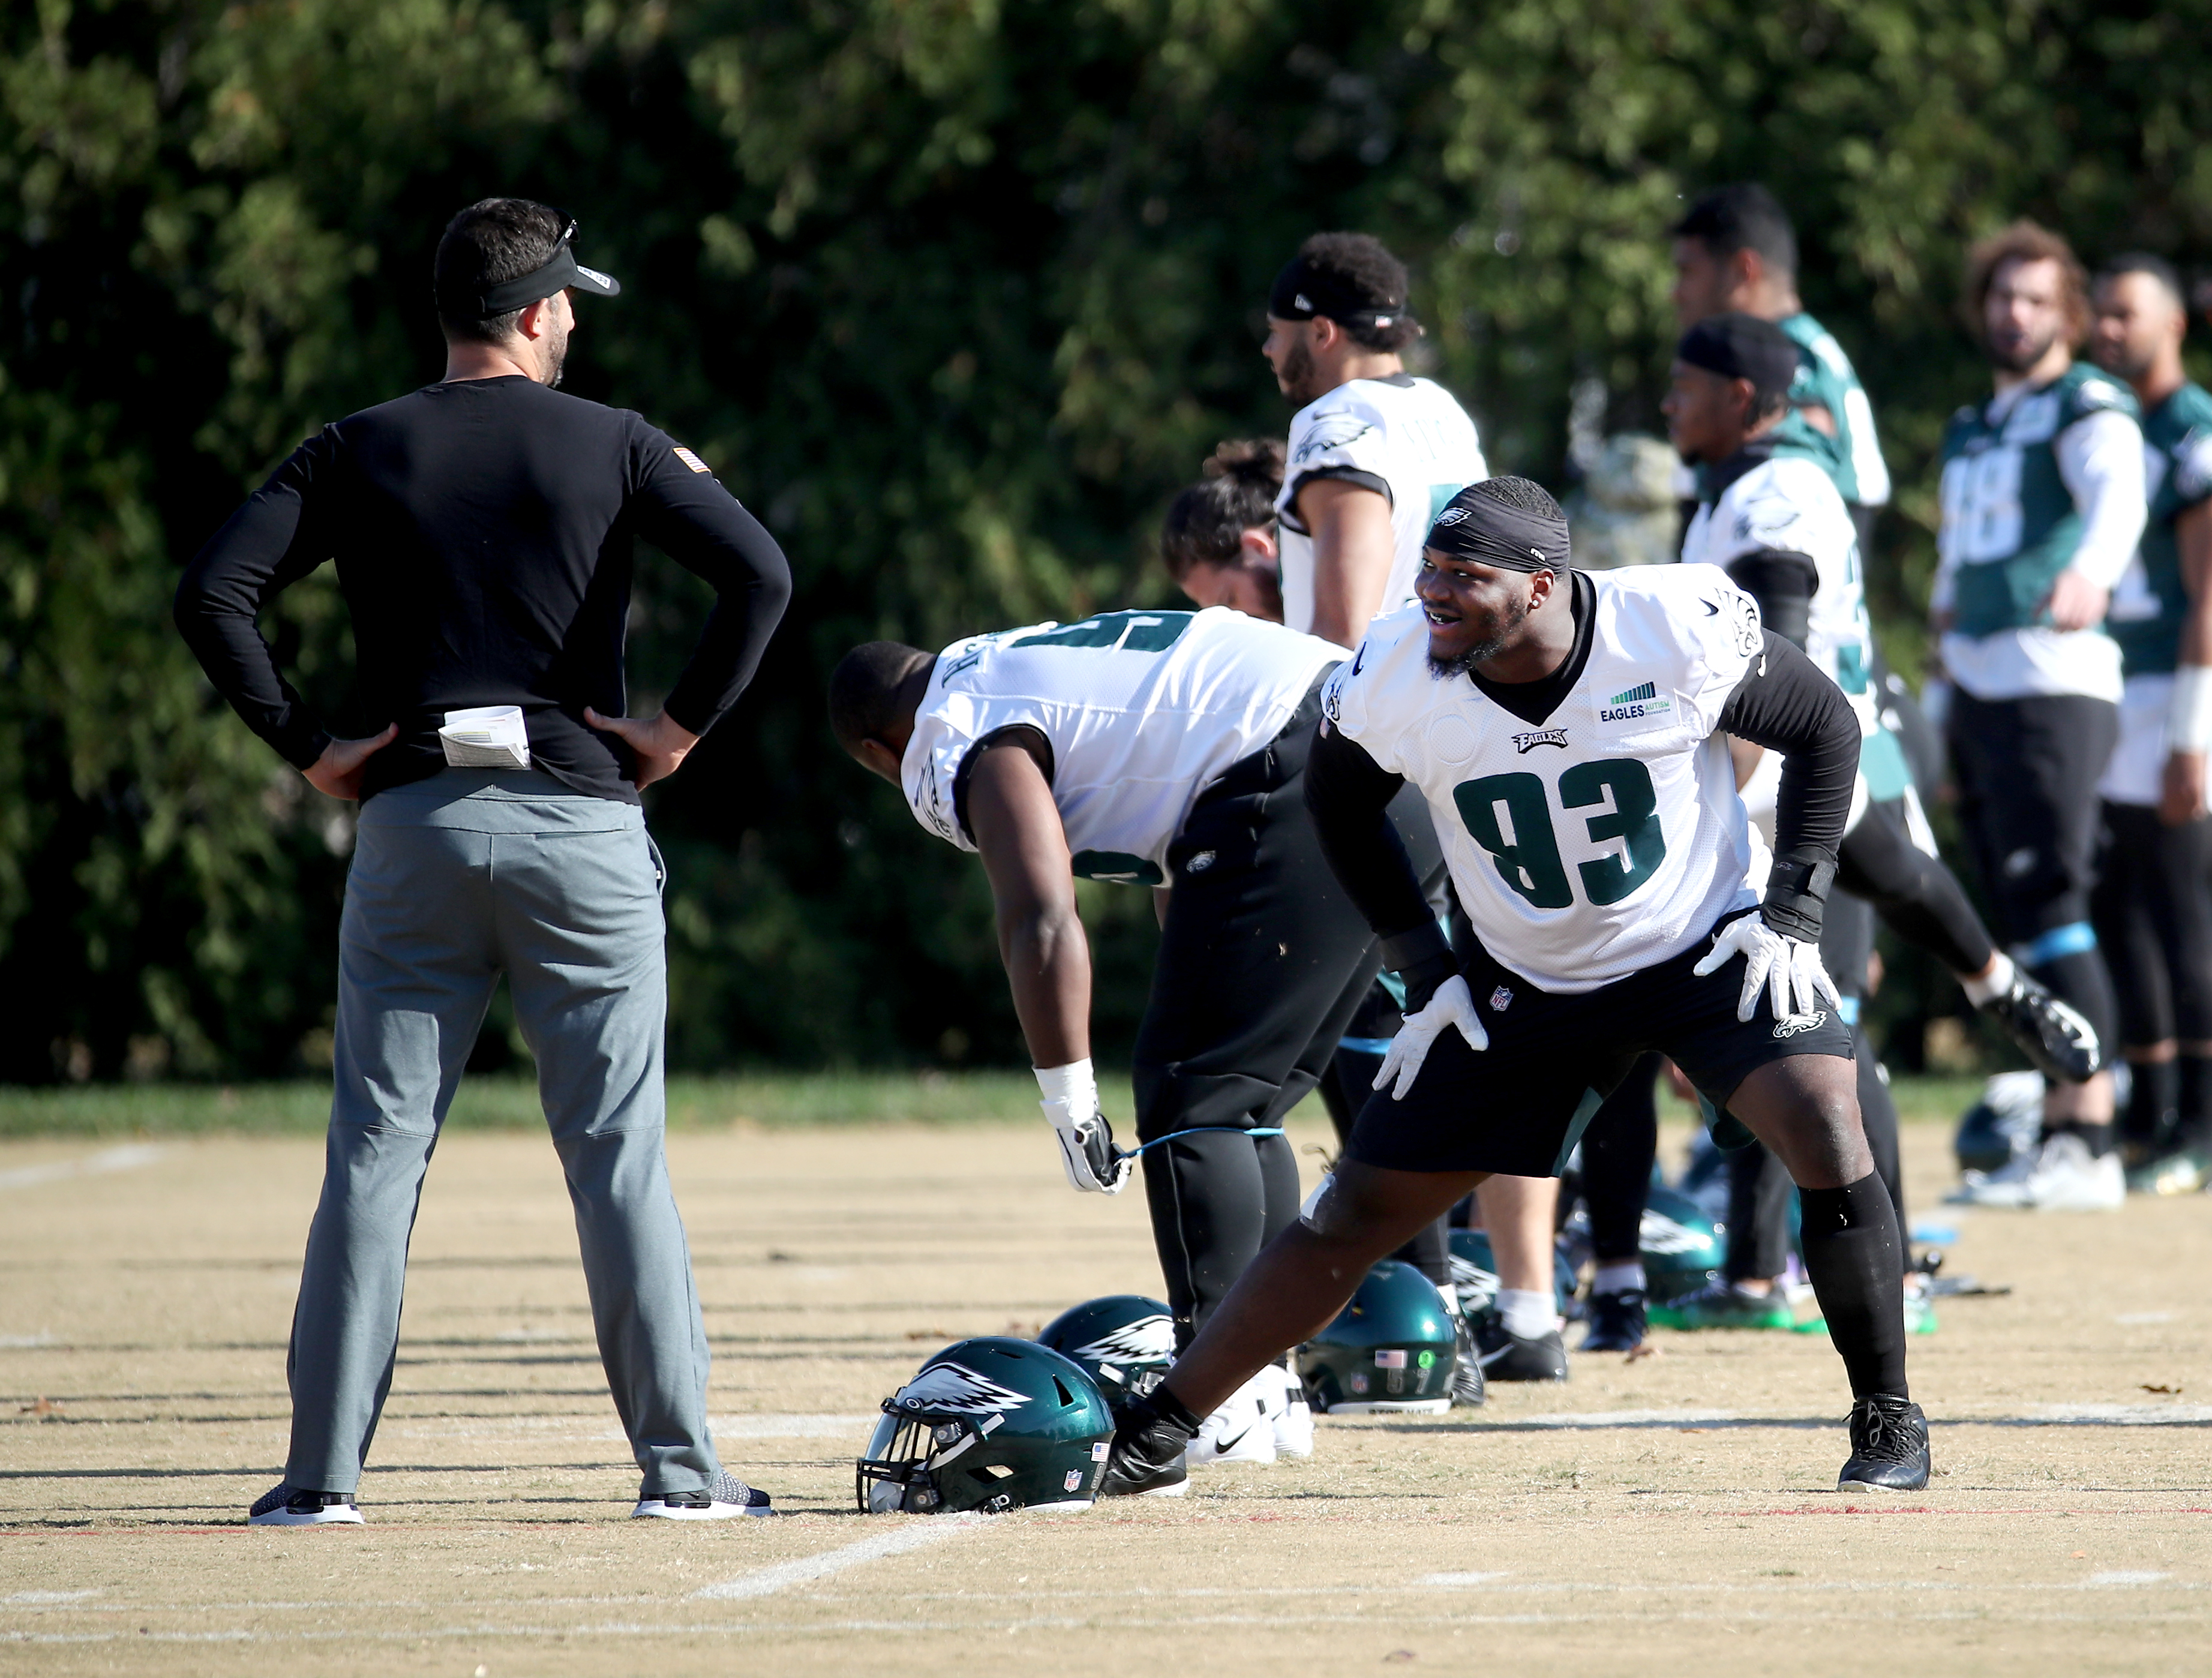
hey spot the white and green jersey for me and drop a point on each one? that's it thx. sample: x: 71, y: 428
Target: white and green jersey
x: 1142, y: 711
x: 1608, y: 837
x: 2038, y: 480
x: 1402, y: 437
x: 1827, y: 379
x: 1786, y: 504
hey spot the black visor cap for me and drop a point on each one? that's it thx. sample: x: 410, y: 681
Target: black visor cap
x: 560, y: 272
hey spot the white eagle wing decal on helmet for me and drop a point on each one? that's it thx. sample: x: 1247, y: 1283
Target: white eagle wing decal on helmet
x: 957, y: 1389
x: 1148, y: 1339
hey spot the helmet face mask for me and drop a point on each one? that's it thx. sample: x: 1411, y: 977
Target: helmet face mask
x: 992, y: 1425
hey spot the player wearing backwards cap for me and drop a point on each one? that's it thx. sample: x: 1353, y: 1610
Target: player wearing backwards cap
x: 1777, y: 525
x: 2152, y: 906
x: 1374, y: 452
x: 2042, y: 506
x: 1162, y: 749
x: 1735, y: 251
x: 1564, y: 730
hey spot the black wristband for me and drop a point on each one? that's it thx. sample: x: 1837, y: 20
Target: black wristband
x: 1423, y: 959
x: 1797, y: 894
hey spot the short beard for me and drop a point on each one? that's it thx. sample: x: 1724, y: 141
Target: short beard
x: 556, y: 356
x: 1296, y: 377
x: 2125, y: 367
x: 2020, y: 359
x: 1483, y: 651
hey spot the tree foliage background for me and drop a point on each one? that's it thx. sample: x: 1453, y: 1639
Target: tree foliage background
x: 956, y: 293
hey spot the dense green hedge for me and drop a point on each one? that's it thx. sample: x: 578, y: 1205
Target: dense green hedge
x: 955, y: 292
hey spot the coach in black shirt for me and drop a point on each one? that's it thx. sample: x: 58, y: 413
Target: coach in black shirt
x: 482, y: 529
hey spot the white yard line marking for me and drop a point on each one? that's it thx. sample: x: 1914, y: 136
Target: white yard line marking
x: 1623, y: 1418
x: 23, y: 1343
x: 1459, y: 1578
x: 2117, y: 1415
x: 910, y: 1536
x: 98, y: 1165
x: 45, y: 1597
x: 2126, y: 1576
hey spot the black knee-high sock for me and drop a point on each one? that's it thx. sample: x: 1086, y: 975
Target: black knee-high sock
x: 1854, y: 1257
x: 1878, y: 1114
x: 2193, y: 1100
x: 2078, y: 977
x: 1430, y: 1253
x: 2154, y: 1092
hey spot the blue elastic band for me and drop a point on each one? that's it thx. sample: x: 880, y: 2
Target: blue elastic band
x: 1847, y: 1010
x: 1365, y: 1045
x: 1142, y: 1147
x: 2071, y: 940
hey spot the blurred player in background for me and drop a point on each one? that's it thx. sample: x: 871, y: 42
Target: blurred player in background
x: 1163, y: 749
x: 1564, y: 730
x: 1374, y: 452
x: 1775, y: 522
x: 2152, y: 905
x: 2042, y: 507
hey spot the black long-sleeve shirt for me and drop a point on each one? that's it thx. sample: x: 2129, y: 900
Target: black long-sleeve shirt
x: 1783, y: 702
x: 483, y: 531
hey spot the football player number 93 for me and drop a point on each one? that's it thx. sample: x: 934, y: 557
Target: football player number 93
x: 1530, y: 860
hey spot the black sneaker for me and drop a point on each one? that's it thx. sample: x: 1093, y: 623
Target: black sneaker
x: 1506, y: 1357
x: 1617, y: 1321
x: 1146, y: 1457
x: 726, y: 1498
x: 1889, y: 1446
x: 1469, y: 1391
x: 2059, y: 1043
x: 288, y: 1505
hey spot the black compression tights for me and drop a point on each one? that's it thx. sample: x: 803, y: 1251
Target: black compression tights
x: 1217, y: 1198
x: 1618, y: 1149
x: 1920, y: 899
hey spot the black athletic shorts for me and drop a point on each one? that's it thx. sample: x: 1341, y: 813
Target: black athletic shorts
x: 1520, y: 1106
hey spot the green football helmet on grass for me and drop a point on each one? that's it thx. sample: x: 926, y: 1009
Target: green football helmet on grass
x: 1682, y: 1245
x: 1124, y: 1342
x: 991, y: 1424
x: 1389, y: 1349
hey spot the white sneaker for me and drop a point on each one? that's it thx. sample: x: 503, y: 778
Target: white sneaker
x: 1293, y: 1421
x: 1241, y: 1431
x: 2006, y: 1186
x: 728, y: 1498
x: 2069, y: 1178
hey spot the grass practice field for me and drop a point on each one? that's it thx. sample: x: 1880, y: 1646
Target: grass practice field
x: 1671, y: 1514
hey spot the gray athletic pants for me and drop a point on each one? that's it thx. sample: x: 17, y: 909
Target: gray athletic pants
x: 456, y: 880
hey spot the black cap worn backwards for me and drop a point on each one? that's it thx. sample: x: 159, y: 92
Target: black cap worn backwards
x: 1485, y: 529
x: 1302, y: 291
x: 1743, y: 346
x: 559, y: 272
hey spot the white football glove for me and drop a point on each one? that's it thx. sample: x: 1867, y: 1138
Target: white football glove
x: 1789, y: 969
x: 1086, y: 1140
x: 1452, y: 1005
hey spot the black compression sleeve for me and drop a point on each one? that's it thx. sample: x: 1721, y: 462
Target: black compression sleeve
x: 1785, y: 704
x: 1782, y: 584
x: 1348, y: 794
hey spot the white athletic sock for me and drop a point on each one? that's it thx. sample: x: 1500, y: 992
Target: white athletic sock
x: 1526, y: 1314
x: 1998, y: 981
x: 1623, y: 1278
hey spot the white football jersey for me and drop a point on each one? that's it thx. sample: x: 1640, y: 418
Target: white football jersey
x: 1404, y: 436
x: 1608, y: 837
x: 1790, y: 504
x: 1143, y: 710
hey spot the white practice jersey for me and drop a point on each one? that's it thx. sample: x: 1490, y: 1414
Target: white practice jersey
x: 1789, y: 504
x: 1143, y: 711
x: 1608, y: 837
x: 1402, y: 436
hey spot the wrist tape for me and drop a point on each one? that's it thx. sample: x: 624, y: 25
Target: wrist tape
x: 1074, y: 1088
x: 2189, y: 713
x: 1797, y: 894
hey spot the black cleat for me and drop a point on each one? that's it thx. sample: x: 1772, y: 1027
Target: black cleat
x: 2057, y: 1039
x: 290, y: 1505
x: 1469, y: 1391
x: 1507, y: 1357
x: 1889, y: 1446
x: 1146, y: 1457
x: 1617, y: 1321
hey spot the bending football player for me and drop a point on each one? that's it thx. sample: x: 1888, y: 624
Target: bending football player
x: 1566, y: 731
x: 1165, y: 749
